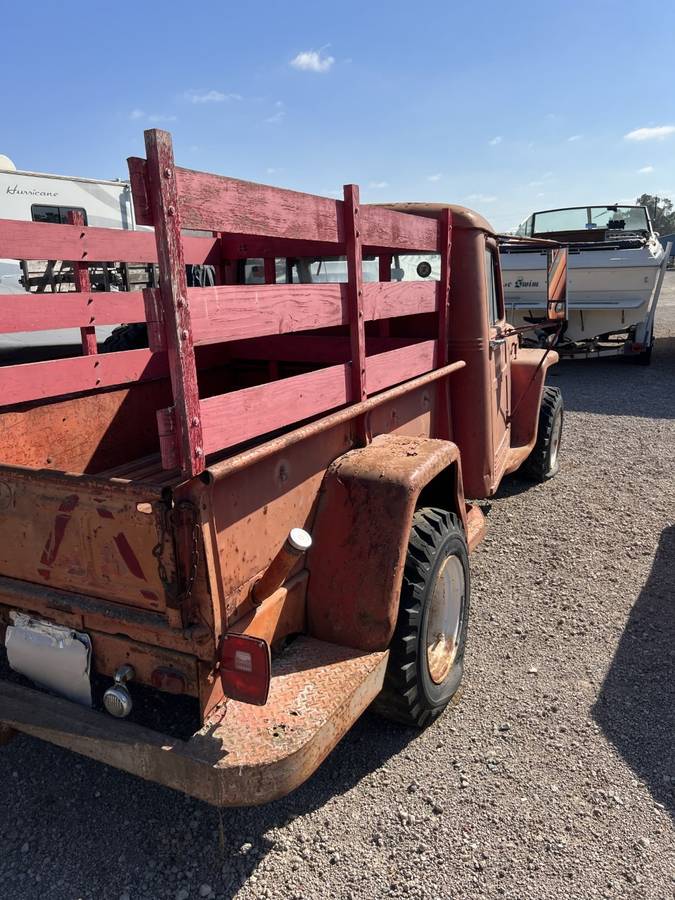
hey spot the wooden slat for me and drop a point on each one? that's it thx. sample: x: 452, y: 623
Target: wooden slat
x: 230, y: 419
x: 83, y: 286
x: 215, y: 203
x: 387, y: 230
x: 237, y: 312
x: 44, y: 240
x: 163, y: 188
x: 57, y: 377
x: 442, y: 388
x: 309, y: 348
x: 354, y: 252
x: 395, y: 366
x: 42, y: 312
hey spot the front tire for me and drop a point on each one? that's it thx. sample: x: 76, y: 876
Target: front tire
x: 426, y: 653
x: 543, y: 463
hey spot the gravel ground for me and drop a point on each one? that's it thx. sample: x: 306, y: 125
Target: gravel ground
x: 555, y: 775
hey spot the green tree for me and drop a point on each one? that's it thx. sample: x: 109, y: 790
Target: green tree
x: 661, y: 212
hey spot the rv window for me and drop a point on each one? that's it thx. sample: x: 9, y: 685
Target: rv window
x: 55, y: 214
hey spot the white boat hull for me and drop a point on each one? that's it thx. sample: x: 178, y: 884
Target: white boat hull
x: 609, y: 291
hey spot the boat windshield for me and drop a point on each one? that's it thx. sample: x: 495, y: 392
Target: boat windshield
x: 589, y: 218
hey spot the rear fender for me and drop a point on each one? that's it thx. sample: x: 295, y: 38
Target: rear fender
x: 360, y: 537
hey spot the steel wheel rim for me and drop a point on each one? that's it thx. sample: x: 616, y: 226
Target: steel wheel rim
x: 444, y: 620
x: 555, y: 440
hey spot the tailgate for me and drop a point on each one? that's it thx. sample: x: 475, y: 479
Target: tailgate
x: 92, y: 537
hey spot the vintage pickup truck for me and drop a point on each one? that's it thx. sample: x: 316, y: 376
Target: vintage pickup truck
x: 217, y: 551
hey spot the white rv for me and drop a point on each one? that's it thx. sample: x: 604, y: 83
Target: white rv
x: 39, y: 197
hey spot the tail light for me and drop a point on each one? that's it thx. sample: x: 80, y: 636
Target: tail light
x: 245, y: 668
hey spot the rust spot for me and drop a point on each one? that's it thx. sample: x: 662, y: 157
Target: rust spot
x: 45, y: 573
x: 150, y: 595
x: 56, y: 535
x: 104, y: 513
x: 129, y: 556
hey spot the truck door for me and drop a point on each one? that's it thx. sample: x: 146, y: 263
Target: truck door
x: 499, y: 349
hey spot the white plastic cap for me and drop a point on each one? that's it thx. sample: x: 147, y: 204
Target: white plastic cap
x: 300, y: 540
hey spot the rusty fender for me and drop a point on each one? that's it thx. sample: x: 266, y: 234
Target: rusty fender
x: 528, y: 375
x: 361, y: 533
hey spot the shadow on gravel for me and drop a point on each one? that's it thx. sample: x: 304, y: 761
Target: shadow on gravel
x: 105, y: 832
x: 618, y: 387
x: 636, y: 706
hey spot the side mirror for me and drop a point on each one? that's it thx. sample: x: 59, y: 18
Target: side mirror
x: 556, y: 292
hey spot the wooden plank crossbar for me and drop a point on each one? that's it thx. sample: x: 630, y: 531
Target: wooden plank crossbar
x: 35, y: 312
x: 230, y: 419
x: 216, y: 203
x: 44, y: 240
x: 236, y: 312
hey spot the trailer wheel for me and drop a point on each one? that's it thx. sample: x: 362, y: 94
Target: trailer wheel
x: 427, y: 650
x: 644, y: 358
x: 126, y: 337
x: 542, y: 463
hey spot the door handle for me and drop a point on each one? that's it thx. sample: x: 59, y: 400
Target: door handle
x: 496, y: 342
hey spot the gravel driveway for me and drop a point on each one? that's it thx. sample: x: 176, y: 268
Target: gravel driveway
x: 555, y: 775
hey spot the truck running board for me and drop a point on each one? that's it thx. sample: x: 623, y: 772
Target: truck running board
x: 254, y: 755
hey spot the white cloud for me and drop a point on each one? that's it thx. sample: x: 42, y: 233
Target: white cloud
x: 574, y: 137
x: 378, y: 185
x: 645, y: 170
x: 156, y: 118
x: 436, y: 177
x: 496, y: 140
x: 212, y: 96
x: 482, y: 198
x: 656, y: 133
x: 277, y: 117
x: 312, y: 61
x: 153, y: 118
x: 534, y: 183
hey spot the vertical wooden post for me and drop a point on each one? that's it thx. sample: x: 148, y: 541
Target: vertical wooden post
x: 384, y: 274
x: 163, y: 190
x: 443, y: 393
x: 354, y: 252
x: 270, y: 271
x: 83, y: 285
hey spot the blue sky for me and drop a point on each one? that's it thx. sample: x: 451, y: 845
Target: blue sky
x: 506, y: 107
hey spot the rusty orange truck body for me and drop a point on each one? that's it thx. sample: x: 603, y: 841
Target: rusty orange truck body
x: 259, y: 519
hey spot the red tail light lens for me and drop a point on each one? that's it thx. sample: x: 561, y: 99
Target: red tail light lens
x: 245, y: 668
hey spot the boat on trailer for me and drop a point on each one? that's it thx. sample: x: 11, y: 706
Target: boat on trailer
x: 616, y: 266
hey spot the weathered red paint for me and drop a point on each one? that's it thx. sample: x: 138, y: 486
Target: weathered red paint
x: 83, y: 285
x: 53, y: 544
x: 166, y: 215
x: 131, y: 560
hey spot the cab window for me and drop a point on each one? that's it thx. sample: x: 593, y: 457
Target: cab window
x: 493, y: 298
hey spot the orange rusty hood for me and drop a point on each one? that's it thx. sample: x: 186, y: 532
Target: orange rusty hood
x: 461, y: 216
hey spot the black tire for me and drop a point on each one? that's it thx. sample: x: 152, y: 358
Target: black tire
x: 644, y: 358
x: 543, y: 462
x: 410, y: 695
x: 126, y: 337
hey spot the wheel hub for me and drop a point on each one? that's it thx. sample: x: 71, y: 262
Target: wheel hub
x: 445, y: 619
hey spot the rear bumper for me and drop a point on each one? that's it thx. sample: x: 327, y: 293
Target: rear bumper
x: 252, y: 756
